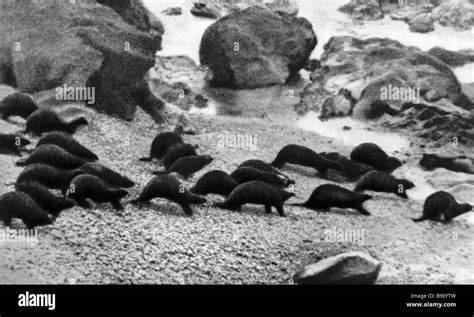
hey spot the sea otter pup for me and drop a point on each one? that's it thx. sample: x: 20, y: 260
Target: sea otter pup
x: 371, y: 154
x: 161, y: 144
x: 21, y: 206
x: 49, y: 202
x: 456, y: 164
x: 87, y: 186
x: 52, y: 155
x: 68, y: 143
x: 441, y: 206
x: 17, y: 104
x: 301, y: 155
x: 47, y: 120
x: 215, y: 182
x: 257, y: 192
x: 331, y: 196
x: 168, y: 187
x: 382, y: 182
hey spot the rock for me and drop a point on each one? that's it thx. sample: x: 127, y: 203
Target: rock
x: 453, y: 59
x: 290, y: 7
x: 401, y: 85
x: 363, y: 9
x: 256, y: 48
x: 443, y: 179
x: 346, y: 268
x: 84, y: 45
x: 464, y: 193
x: 173, y: 11
x: 456, y: 13
x: 421, y: 24
x: 179, y: 81
x: 208, y: 10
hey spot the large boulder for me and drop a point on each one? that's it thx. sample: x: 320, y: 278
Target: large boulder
x: 347, y: 268
x: 105, y: 45
x: 256, y: 48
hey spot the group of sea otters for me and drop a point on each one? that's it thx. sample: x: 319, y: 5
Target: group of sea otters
x: 60, y: 163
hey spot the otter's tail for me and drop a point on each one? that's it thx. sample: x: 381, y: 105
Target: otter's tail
x: 196, y: 199
x: 299, y: 205
x: 158, y: 173
x: 21, y: 163
x: 146, y: 159
x: 423, y: 218
x: 75, y: 124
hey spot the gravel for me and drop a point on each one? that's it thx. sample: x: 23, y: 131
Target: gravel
x: 158, y: 244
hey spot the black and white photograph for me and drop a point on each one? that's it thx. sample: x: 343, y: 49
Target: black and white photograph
x: 237, y: 142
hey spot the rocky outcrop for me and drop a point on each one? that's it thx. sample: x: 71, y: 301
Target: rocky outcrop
x: 179, y: 81
x: 256, y: 48
x: 173, y: 11
x: 422, y: 23
x: 363, y: 9
x: 420, y: 15
x: 453, y: 59
x: 348, y: 268
x: 458, y: 14
x: 383, y: 79
x: 105, y: 45
x: 218, y: 9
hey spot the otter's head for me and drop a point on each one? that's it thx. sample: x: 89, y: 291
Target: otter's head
x: 407, y: 185
x: 429, y: 161
x: 288, y: 195
x: 207, y: 158
x: 393, y: 163
x: 120, y: 193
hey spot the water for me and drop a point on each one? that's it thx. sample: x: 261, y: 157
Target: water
x: 390, y: 142
x: 465, y: 74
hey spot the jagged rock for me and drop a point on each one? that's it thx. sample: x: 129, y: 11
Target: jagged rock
x: 455, y: 13
x: 421, y: 24
x: 173, y: 11
x: 106, y: 45
x: 363, y: 9
x: 453, y: 59
x: 179, y: 81
x: 383, y: 79
x: 208, y: 10
x: 256, y: 48
x: 224, y: 7
x: 347, y: 268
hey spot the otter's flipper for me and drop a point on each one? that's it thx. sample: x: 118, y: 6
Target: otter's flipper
x: 187, y: 210
x: 117, y: 205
